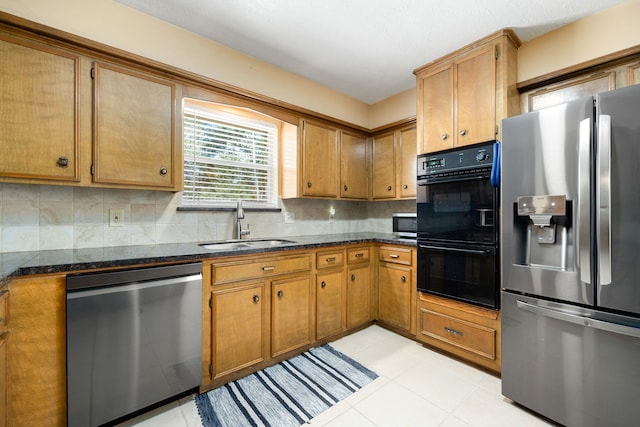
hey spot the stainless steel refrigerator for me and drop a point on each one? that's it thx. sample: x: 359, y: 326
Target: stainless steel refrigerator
x: 570, y: 239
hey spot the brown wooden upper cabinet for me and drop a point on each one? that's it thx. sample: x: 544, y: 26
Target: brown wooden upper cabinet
x: 394, y: 164
x: 463, y: 96
x: 48, y: 91
x: 134, y: 128
x: 39, y: 116
x: 334, y: 163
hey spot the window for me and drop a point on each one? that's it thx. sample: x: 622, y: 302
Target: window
x: 229, y: 154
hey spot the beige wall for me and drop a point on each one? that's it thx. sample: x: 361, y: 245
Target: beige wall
x: 609, y: 31
x: 116, y: 25
x: 119, y: 26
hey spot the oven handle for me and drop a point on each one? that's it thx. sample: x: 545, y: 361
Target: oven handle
x: 466, y: 251
x: 458, y: 178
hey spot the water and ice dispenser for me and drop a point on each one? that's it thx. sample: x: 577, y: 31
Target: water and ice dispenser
x: 545, y: 223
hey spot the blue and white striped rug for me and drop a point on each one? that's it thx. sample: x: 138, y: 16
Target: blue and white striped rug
x: 287, y: 394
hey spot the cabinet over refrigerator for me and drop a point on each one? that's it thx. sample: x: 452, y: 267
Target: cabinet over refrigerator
x: 570, y: 240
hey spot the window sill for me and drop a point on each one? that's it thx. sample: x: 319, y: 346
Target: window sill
x: 224, y: 209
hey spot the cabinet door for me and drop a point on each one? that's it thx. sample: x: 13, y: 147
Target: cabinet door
x: 395, y: 289
x: 476, y: 97
x: 291, y: 311
x: 319, y: 160
x: 238, y: 328
x: 134, y: 129
x: 39, y: 123
x: 437, y: 115
x: 353, y: 166
x: 407, y: 162
x: 358, y: 296
x: 329, y: 304
x: 384, y: 166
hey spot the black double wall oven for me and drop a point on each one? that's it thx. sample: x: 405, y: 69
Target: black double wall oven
x: 457, y: 224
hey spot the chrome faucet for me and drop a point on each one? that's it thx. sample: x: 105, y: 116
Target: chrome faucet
x: 240, y: 216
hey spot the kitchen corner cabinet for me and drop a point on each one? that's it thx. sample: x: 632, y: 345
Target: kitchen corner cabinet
x: 463, y: 97
x: 396, y: 287
x: 467, y: 331
x: 39, y: 115
x: 359, y: 292
x: 394, y: 164
x: 134, y: 128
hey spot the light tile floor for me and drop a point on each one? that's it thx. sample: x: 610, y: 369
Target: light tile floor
x: 416, y: 387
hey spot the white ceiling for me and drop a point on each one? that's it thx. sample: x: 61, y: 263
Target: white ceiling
x: 364, y: 48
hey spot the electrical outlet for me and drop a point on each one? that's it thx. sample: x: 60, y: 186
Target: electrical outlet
x: 332, y: 214
x: 116, y: 217
x: 289, y: 218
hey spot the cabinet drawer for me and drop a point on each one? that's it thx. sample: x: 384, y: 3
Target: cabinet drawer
x: 255, y: 268
x: 330, y: 259
x: 4, y: 311
x: 477, y: 339
x: 357, y: 255
x: 395, y: 254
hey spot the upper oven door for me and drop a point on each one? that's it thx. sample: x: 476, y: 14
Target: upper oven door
x: 461, y: 210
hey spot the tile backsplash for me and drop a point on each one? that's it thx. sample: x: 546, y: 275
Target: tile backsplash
x: 42, y: 217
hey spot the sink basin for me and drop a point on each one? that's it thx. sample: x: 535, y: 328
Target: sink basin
x: 226, y: 245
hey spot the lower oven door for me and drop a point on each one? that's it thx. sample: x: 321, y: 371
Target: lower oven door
x: 465, y: 273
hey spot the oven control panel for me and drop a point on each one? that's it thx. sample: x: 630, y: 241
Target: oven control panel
x: 460, y: 160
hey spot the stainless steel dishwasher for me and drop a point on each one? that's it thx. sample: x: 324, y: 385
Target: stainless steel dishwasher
x: 134, y: 339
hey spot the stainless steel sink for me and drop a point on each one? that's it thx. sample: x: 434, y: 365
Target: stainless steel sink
x: 225, y: 245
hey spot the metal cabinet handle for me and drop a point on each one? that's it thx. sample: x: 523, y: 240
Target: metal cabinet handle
x: 331, y: 259
x: 63, y: 162
x: 308, y: 184
x: 444, y: 136
x: 405, y: 186
x: 463, y: 132
x: 345, y: 187
x: 163, y: 171
x: 353, y: 277
x: 280, y: 294
x: 453, y: 331
x: 389, y: 188
x: 268, y: 268
x: 403, y: 279
x: 256, y: 299
x: 359, y: 255
x: 394, y: 256
x: 323, y: 284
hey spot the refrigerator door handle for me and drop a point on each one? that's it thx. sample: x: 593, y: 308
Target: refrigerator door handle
x: 583, y: 234
x: 579, y: 320
x: 603, y: 200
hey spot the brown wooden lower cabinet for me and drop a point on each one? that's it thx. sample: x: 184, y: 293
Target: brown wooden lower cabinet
x: 292, y: 314
x: 330, y: 303
x: 4, y: 340
x: 471, y: 333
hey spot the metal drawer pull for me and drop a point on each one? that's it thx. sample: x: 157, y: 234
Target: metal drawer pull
x: 332, y: 259
x: 359, y: 255
x: 280, y: 294
x: 453, y: 331
x: 394, y: 256
x: 323, y: 284
x: 268, y: 268
x: 256, y: 299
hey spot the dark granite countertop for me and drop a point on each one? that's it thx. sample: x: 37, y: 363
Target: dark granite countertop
x: 15, y: 264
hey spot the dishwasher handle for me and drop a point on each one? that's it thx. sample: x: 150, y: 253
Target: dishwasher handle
x: 130, y: 287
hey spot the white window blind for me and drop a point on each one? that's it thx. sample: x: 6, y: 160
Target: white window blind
x: 228, y: 157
